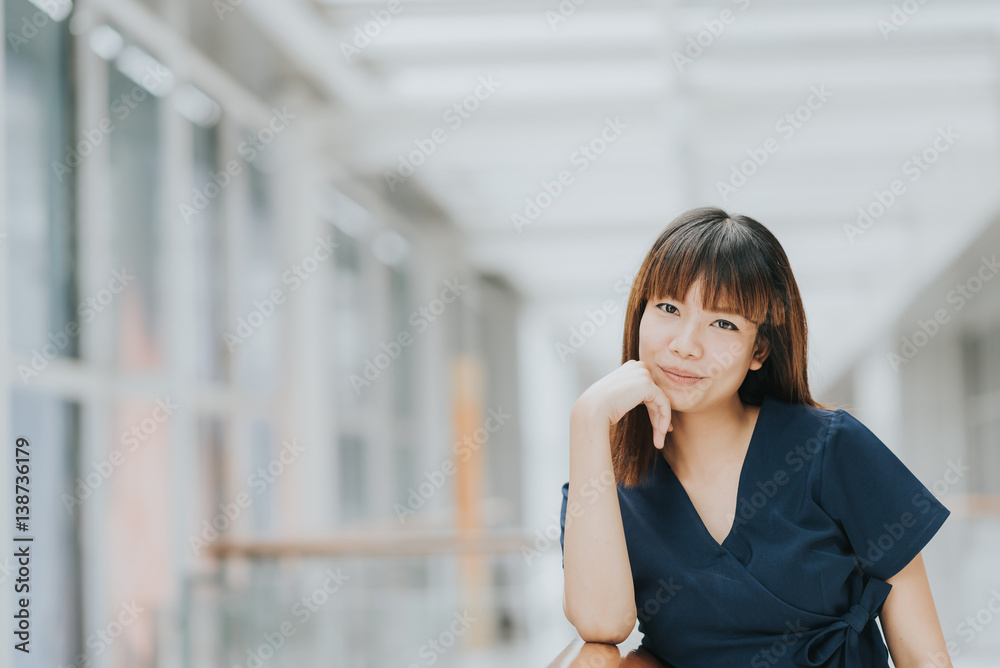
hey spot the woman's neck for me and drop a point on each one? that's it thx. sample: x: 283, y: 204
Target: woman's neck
x: 702, y: 442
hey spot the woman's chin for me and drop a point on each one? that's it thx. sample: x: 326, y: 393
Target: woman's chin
x: 686, y: 395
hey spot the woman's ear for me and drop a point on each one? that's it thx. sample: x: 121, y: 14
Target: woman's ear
x: 759, y: 354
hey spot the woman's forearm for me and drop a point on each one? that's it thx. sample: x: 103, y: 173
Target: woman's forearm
x: 599, y: 593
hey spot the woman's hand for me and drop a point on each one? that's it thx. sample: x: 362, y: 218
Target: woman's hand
x: 614, y: 395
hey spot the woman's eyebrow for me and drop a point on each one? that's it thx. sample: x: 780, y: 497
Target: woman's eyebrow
x: 729, y: 312
x: 721, y: 310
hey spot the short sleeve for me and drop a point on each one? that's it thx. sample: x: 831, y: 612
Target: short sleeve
x: 887, y: 514
x: 562, y: 521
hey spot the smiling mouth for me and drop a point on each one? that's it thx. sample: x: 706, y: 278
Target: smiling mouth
x: 679, y: 378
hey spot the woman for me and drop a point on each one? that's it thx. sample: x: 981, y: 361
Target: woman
x: 748, y: 525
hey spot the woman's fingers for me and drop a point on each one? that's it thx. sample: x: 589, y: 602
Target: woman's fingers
x: 659, y: 413
x: 661, y: 424
x: 657, y: 420
x: 625, y: 388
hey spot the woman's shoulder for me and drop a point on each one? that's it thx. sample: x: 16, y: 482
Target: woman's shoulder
x: 789, y: 415
x: 834, y: 431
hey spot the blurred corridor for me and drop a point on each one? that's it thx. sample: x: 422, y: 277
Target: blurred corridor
x: 297, y: 296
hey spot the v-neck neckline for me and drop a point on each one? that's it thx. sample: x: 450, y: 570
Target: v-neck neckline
x: 739, y: 485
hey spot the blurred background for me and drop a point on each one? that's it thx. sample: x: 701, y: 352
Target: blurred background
x: 297, y: 295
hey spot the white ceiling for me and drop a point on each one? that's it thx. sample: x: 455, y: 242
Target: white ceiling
x: 560, y: 82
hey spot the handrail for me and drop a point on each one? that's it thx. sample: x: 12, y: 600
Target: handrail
x: 973, y: 505
x: 382, y: 542
x: 379, y: 544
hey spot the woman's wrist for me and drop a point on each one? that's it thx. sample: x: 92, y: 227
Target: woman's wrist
x: 585, y: 414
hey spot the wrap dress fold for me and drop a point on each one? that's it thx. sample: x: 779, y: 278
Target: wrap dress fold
x: 825, y: 514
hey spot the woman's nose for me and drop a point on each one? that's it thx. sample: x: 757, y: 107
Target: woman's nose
x: 684, y: 341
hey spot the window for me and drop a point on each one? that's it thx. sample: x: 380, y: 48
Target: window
x: 210, y: 264
x: 134, y: 154
x: 38, y: 220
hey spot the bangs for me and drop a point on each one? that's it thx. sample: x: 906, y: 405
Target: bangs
x: 729, y: 260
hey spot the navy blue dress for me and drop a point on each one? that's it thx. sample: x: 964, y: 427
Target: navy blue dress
x: 826, y: 513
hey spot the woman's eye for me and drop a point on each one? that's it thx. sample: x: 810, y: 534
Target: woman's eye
x: 723, y: 324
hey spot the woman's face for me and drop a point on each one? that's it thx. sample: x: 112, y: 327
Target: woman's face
x: 698, y: 358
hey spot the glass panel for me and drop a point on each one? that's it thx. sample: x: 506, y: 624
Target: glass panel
x: 353, y: 500
x: 211, y: 466
x: 353, y: 386
x: 406, y: 476
x: 436, y: 618
x: 349, y: 325
x: 981, y: 366
x: 212, y: 353
x: 985, y: 441
x: 134, y: 151
x: 138, y: 510
x: 263, y: 476
x: 258, y: 326
x: 972, y: 353
x: 39, y: 175
x: 402, y: 365
x: 403, y: 377
x: 990, y: 361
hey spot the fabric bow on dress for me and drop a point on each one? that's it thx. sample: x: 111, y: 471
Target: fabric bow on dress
x: 844, y: 633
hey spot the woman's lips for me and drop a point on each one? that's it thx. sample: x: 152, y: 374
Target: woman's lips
x: 679, y: 376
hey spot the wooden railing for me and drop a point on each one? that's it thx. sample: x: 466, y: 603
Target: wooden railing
x: 378, y: 544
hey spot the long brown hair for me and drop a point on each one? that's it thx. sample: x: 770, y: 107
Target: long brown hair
x: 744, y: 271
